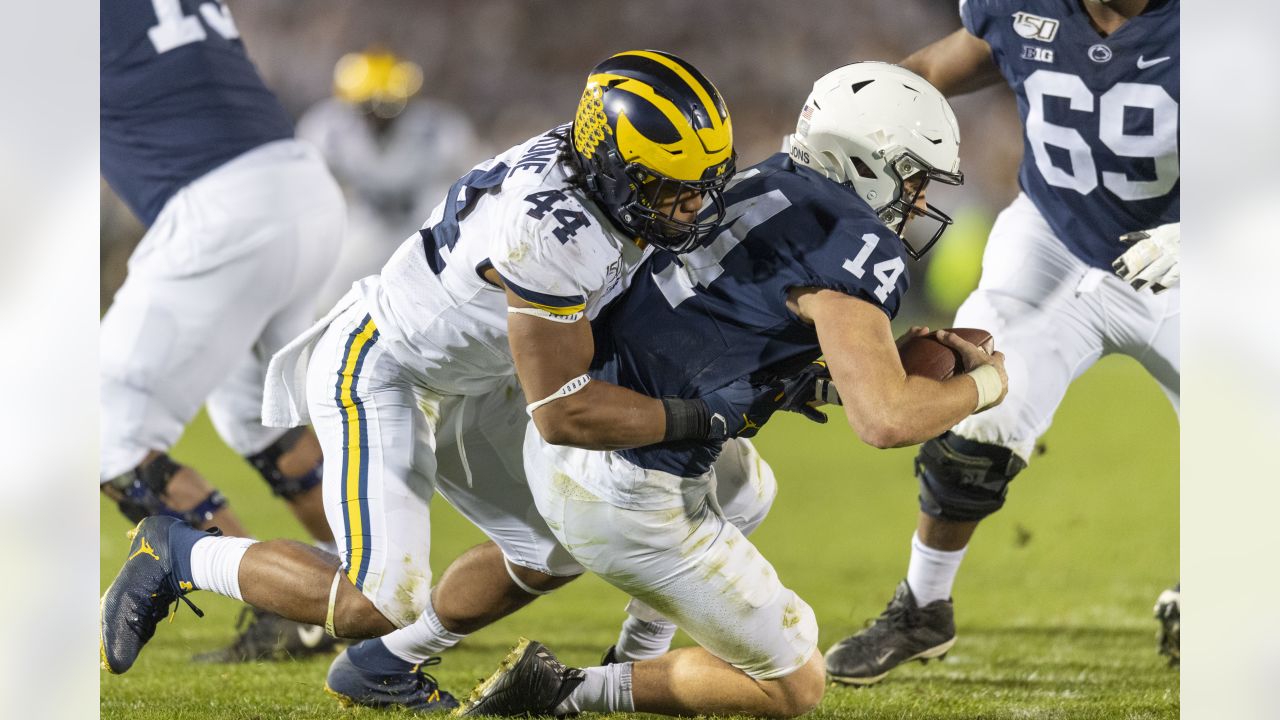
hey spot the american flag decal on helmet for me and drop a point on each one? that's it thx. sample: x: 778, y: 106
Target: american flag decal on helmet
x: 807, y: 112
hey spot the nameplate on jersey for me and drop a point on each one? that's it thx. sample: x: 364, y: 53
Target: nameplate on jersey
x: 1035, y: 27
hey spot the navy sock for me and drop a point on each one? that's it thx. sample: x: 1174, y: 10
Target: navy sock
x: 183, y: 537
x: 373, y: 655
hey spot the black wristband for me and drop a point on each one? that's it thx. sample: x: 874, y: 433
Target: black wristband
x: 686, y: 419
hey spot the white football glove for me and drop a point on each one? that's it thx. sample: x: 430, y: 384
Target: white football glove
x: 1153, y: 259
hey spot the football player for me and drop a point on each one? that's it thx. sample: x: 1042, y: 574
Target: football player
x: 1097, y: 88
x: 394, y: 153
x: 244, y: 223
x: 811, y: 260
x: 410, y: 382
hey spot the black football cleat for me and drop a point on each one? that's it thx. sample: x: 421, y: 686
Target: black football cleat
x: 902, y: 633
x: 1168, y: 611
x: 529, y: 682
x: 267, y: 636
x: 610, y: 656
x: 368, y: 675
x: 142, y: 593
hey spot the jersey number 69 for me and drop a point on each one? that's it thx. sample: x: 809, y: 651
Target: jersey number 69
x: 1161, y: 145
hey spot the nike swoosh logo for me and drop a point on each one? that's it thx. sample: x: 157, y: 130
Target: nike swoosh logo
x: 880, y: 660
x: 1144, y: 64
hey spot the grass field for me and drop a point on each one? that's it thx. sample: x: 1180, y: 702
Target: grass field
x: 1053, y: 602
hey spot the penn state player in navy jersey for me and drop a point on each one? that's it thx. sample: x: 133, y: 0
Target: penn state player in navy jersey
x: 1097, y: 86
x: 243, y: 226
x: 803, y: 265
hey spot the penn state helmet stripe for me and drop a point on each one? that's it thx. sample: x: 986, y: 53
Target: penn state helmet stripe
x: 355, y: 452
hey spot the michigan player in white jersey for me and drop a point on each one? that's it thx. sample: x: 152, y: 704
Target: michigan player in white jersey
x: 394, y: 153
x: 1097, y: 87
x: 410, y: 383
x: 811, y: 261
x: 244, y: 223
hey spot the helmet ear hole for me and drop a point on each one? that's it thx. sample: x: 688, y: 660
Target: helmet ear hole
x: 863, y: 169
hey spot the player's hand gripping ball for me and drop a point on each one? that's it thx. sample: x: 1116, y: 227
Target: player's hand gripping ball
x: 924, y: 354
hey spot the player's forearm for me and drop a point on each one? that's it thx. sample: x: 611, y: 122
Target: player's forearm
x: 910, y: 411
x: 602, y: 416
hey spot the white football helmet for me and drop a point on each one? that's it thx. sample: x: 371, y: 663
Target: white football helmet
x: 872, y: 126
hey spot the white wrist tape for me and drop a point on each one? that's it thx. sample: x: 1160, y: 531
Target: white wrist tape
x: 546, y: 314
x: 987, y: 378
x: 565, y: 390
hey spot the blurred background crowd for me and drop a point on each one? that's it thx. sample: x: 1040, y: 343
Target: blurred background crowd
x: 403, y: 96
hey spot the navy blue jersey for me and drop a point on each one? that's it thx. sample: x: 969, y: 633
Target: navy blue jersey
x: 694, y: 323
x: 1101, y: 115
x: 179, y: 97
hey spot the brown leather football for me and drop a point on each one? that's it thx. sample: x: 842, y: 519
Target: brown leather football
x: 927, y: 356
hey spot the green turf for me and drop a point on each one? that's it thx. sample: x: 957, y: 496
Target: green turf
x: 1053, y: 602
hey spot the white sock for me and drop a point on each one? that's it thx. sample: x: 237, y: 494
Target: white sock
x: 606, y: 689
x: 931, y: 573
x: 215, y: 564
x: 640, y: 640
x: 422, y: 639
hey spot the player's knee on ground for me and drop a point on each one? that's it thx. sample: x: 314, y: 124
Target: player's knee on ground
x: 143, y: 492
x: 267, y: 463
x: 802, y: 690
x: 963, y: 480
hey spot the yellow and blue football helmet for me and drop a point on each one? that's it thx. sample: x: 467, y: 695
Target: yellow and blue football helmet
x: 378, y: 80
x: 650, y: 130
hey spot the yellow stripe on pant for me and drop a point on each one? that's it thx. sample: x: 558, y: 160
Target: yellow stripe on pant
x: 355, y: 451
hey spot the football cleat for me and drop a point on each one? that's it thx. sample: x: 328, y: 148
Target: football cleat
x: 141, y: 595
x: 1168, y: 611
x: 267, y: 636
x: 902, y: 633
x: 368, y: 675
x: 610, y: 656
x: 530, y: 681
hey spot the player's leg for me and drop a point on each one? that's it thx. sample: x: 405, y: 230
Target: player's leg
x: 167, y: 340
x: 758, y: 651
x: 1147, y: 328
x: 745, y: 490
x: 1040, y: 303
x: 376, y: 493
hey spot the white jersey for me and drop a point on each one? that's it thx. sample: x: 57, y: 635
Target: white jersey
x: 397, y: 176
x: 519, y: 214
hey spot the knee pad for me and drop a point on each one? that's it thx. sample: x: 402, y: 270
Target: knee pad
x: 267, y: 465
x: 963, y: 480
x: 142, y: 490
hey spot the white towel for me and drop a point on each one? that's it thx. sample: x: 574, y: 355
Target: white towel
x: 284, y: 399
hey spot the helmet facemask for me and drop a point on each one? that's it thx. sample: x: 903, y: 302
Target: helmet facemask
x: 907, y: 166
x: 644, y: 213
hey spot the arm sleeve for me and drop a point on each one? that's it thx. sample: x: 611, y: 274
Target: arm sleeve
x: 542, y: 269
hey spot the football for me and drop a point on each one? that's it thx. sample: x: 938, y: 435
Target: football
x: 928, y: 356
